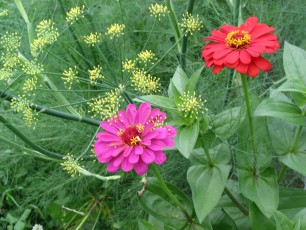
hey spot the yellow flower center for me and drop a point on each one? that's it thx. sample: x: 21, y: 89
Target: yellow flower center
x: 238, y: 39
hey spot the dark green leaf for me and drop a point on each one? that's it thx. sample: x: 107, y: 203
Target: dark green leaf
x: 261, y: 189
x: 207, y: 185
x: 145, y: 225
x: 295, y: 161
x: 272, y: 107
x: 258, y: 220
x: 192, y: 81
x: 292, y: 201
x: 186, y: 139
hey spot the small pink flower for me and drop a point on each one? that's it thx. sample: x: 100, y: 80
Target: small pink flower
x: 134, y: 139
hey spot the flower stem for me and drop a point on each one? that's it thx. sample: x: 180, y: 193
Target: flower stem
x: 169, y: 193
x: 185, y: 38
x: 53, y: 112
x: 282, y: 173
x: 250, y: 117
x: 236, y: 202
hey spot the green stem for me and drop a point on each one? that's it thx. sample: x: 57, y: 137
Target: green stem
x: 236, y: 202
x: 53, y: 112
x: 174, y: 23
x: 282, y: 173
x: 185, y: 38
x: 169, y: 193
x: 28, y: 142
x: 209, y: 160
x: 250, y: 117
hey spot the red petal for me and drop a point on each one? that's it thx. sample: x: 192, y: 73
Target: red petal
x: 242, y: 68
x: 252, y: 53
x: 227, y: 28
x: 222, y: 53
x: 245, y: 57
x: 260, y: 30
x: 217, y: 68
x: 232, y: 57
x: 262, y: 63
x: 253, y: 70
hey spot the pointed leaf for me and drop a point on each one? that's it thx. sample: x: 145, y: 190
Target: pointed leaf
x: 295, y: 161
x: 259, y: 221
x: 179, y: 80
x: 186, y: 139
x: 145, y: 225
x: 272, y: 107
x: 294, y: 59
x: 207, y: 185
x: 298, y: 90
x: 192, y: 81
x: 159, y: 101
x: 282, y: 221
x: 261, y: 189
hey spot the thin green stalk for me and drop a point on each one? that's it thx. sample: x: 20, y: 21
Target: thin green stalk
x: 27, y: 141
x: 282, y: 173
x: 53, y: 112
x: 250, y: 116
x: 174, y: 23
x: 150, y: 34
x: 236, y: 202
x: 169, y: 193
x: 209, y: 160
x: 189, y: 10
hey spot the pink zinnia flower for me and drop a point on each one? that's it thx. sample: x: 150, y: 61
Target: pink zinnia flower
x: 134, y: 139
x: 240, y: 47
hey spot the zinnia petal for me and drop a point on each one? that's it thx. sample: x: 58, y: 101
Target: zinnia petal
x: 147, y: 156
x: 141, y: 168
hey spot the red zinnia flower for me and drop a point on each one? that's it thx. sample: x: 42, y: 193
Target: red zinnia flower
x: 240, y: 47
x: 134, y: 139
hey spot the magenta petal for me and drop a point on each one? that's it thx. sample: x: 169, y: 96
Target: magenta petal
x: 138, y: 150
x: 118, y: 160
x: 131, y: 113
x: 127, y: 151
x: 156, y: 145
x: 107, y: 127
x: 144, y: 111
x: 141, y: 168
x: 160, y: 157
x: 147, y: 156
x: 126, y: 165
x: 112, y: 168
x: 133, y: 158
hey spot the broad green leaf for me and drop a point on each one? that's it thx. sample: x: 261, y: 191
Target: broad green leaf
x: 179, y: 80
x: 207, y: 185
x: 282, y: 221
x: 192, y: 81
x: 176, y: 95
x: 294, y: 59
x: 295, y: 161
x: 300, y: 218
x: 292, y: 201
x: 258, y: 220
x: 157, y: 203
x: 226, y: 123
x: 220, y: 220
x: 145, y: 225
x: 261, y: 189
x: 159, y: 101
x: 272, y: 107
x: 298, y: 89
x: 186, y: 139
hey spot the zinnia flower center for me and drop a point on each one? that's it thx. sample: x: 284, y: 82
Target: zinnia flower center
x: 130, y: 136
x: 238, y: 39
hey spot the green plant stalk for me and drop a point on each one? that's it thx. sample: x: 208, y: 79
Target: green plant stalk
x: 53, y: 112
x: 53, y: 89
x: 28, y: 23
x: 169, y: 193
x: 174, y: 23
x: 296, y: 139
x: 250, y: 117
x: 235, y: 201
x: 27, y: 141
x: 87, y: 215
x: 185, y: 38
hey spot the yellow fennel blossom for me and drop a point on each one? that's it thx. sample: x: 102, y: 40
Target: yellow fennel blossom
x: 190, y: 24
x: 46, y: 32
x: 32, y: 67
x: 95, y: 74
x: 21, y: 104
x: 69, y: 77
x: 5, y: 74
x: 191, y: 105
x: 4, y: 13
x: 70, y: 165
x: 75, y: 14
x: 10, y: 61
x: 146, y: 56
x: 108, y: 106
x: 158, y: 10
x: 10, y: 42
x: 115, y: 30
x: 29, y: 85
x: 92, y: 39
x: 144, y: 83
x: 128, y: 65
